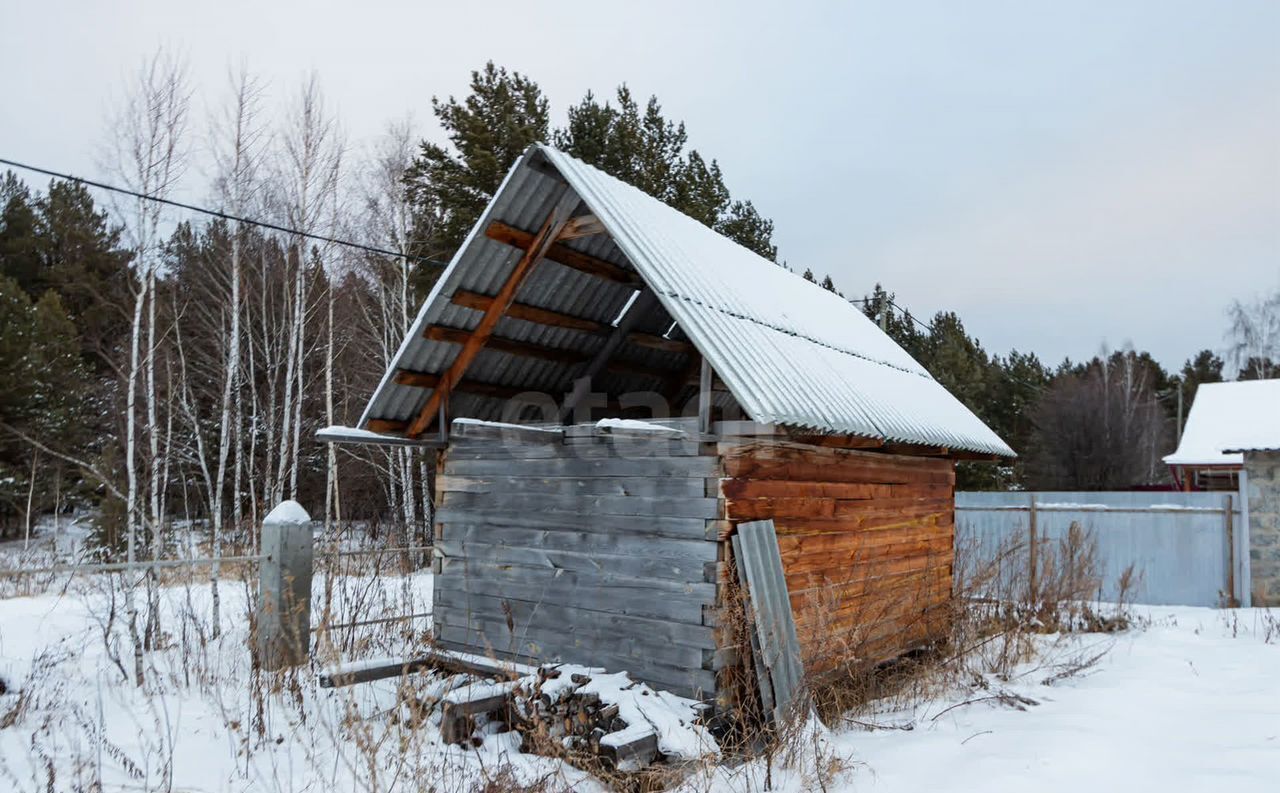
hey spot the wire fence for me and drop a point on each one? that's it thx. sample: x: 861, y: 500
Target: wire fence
x: 155, y: 564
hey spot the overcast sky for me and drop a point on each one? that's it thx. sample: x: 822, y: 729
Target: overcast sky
x: 1064, y: 175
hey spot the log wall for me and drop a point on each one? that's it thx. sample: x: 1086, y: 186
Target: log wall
x: 866, y: 542
x: 599, y: 550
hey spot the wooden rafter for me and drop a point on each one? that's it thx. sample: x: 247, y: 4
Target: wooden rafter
x: 839, y: 441
x: 427, y: 380
x: 582, y: 226
x: 918, y: 450
x: 541, y: 316
x: 562, y: 254
x: 386, y: 426
x: 527, y: 350
x: 535, y: 250
x: 523, y: 349
x: 556, y: 319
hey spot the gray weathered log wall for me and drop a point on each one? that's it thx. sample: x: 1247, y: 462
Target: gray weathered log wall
x: 586, y: 546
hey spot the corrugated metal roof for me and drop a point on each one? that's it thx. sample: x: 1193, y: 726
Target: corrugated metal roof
x: 789, y: 351
x: 1227, y: 419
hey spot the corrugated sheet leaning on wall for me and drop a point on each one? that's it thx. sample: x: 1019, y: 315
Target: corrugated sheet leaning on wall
x: 1178, y: 542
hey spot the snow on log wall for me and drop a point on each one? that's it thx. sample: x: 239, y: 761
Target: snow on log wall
x: 866, y: 542
x: 582, y: 548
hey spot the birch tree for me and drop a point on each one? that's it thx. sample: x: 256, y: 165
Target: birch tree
x: 237, y: 143
x: 307, y: 177
x: 148, y: 155
x: 1253, y: 338
x: 389, y: 222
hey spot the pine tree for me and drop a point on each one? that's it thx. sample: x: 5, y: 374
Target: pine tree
x: 1205, y: 367
x: 43, y: 394
x: 19, y: 239
x: 743, y: 224
x: 85, y: 264
x: 487, y: 131
x: 901, y: 327
x: 647, y: 150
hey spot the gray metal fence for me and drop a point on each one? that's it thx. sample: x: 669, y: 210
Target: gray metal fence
x: 1184, y: 545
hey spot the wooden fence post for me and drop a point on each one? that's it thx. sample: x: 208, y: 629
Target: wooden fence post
x: 284, y: 588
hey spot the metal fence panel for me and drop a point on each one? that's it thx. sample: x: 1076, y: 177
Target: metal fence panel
x: 1178, y: 542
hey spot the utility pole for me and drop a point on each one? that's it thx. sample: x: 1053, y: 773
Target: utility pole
x: 884, y: 313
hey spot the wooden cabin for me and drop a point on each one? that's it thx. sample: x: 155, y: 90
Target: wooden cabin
x: 610, y: 388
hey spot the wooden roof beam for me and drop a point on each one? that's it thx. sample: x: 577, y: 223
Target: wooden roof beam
x: 563, y: 254
x: 537, y: 247
x: 523, y: 349
x: 918, y: 450
x: 427, y: 380
x: 582, y: 226
x: 527, y: 350
x: 556, y: 319
x: 839, y: 441
x: 540, y: 316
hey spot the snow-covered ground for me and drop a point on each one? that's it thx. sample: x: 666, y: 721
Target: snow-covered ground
x: 1188, y: 701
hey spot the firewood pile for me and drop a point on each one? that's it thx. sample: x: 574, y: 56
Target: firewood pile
x: 547, y: 706
x: 557, y: 709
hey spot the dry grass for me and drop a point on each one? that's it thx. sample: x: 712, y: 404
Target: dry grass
x: 994, y: 622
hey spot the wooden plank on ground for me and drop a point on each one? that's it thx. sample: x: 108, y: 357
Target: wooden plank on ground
x: 692, y: 683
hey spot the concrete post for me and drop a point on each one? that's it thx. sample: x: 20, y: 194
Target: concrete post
x: 284, y: 588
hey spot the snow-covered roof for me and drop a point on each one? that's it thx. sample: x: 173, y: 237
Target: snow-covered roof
x: 1227, y: 419
x: 789, y: 352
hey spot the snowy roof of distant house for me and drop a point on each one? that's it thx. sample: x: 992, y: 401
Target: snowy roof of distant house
x: 789, y: 352
x: 1227, y: 419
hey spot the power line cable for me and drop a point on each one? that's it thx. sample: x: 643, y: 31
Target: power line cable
x: 218, y: 213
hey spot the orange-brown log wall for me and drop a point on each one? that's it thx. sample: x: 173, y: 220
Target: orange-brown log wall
x: 866, y: 542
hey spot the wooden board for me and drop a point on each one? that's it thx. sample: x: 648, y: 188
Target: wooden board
x: 688, y: 507
x: 524, y: 612
x: 676, y: 569
x: 667, y: 487
x: 515, y: 516
x: 598, y: 538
